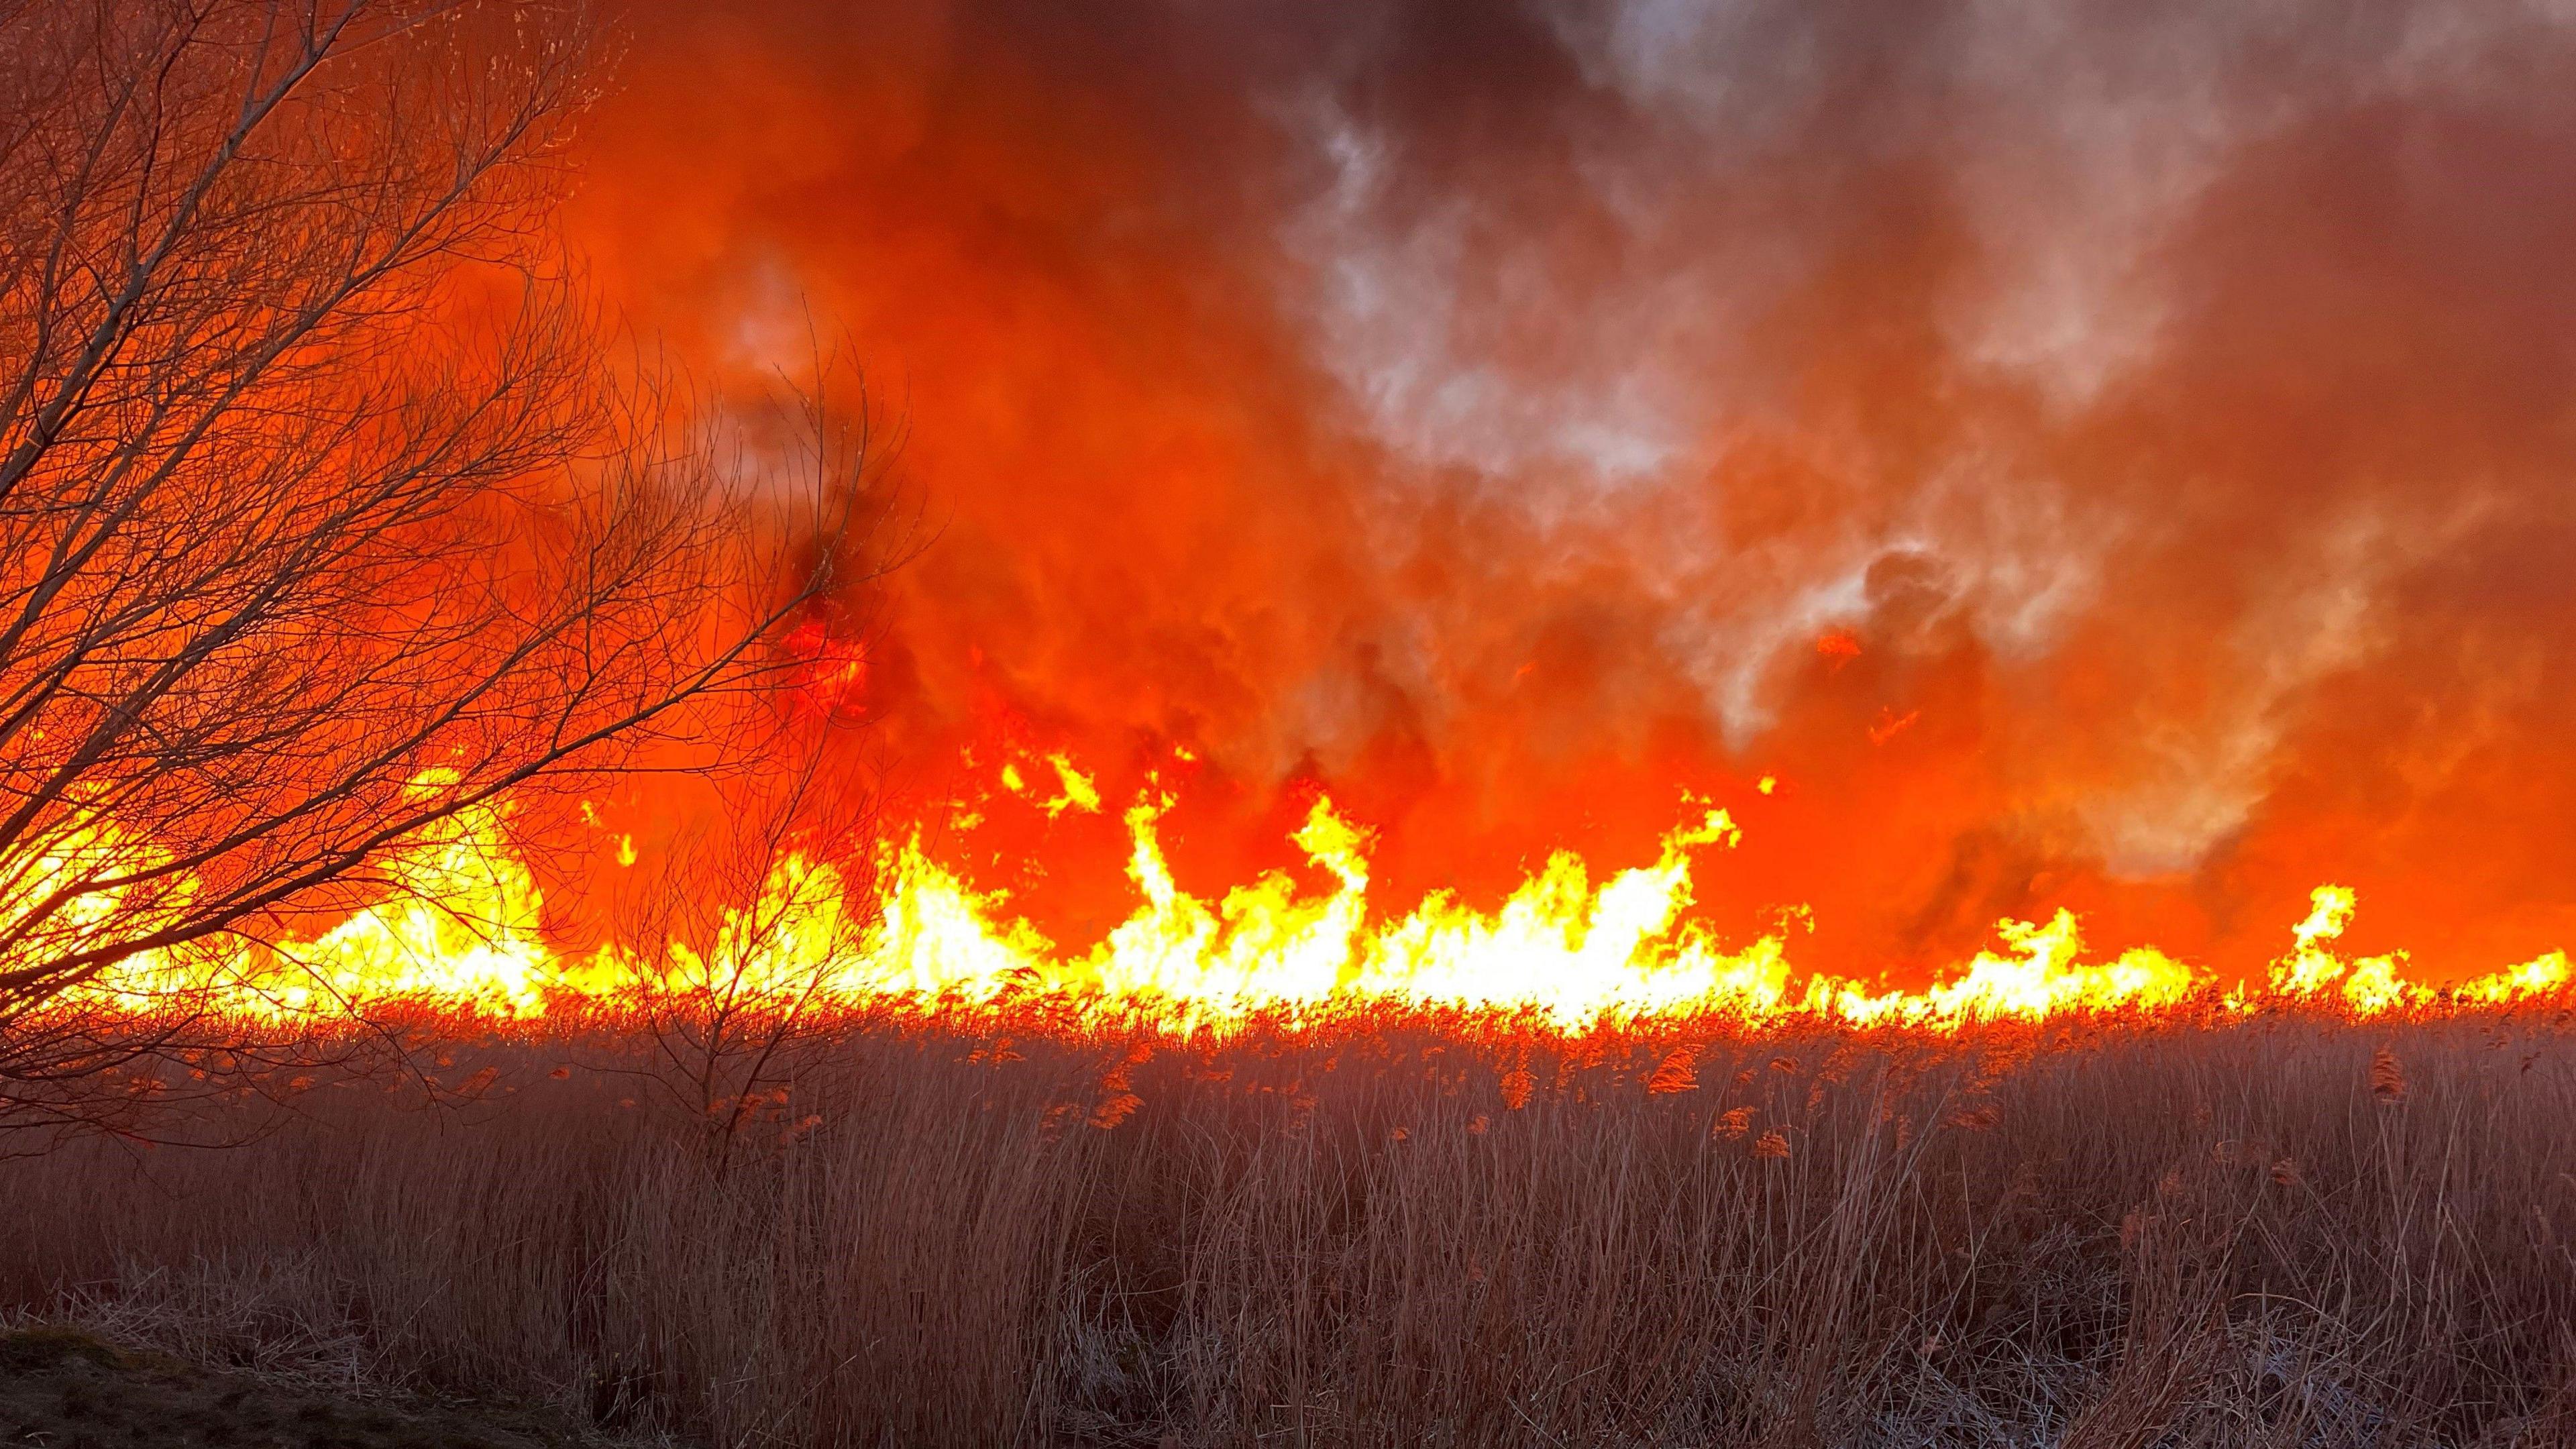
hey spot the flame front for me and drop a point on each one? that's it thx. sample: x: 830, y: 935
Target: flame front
x: 1558, y: 945
x: 463, y: 925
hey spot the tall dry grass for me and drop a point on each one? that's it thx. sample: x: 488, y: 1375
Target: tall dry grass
x: 2268, y: 1232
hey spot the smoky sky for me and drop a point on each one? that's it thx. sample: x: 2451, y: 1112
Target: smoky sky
x: 2159, y: 416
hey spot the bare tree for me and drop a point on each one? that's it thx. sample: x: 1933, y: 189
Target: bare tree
x: 325, y: 515
x: 744, y: 945
x: 741, y: 958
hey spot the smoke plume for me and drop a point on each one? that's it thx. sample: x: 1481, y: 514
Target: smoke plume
x: 2090, y: 455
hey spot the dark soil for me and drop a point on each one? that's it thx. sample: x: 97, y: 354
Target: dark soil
x: 63, y: 1389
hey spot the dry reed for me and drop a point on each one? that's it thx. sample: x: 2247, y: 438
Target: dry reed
x: 1414, y: 1232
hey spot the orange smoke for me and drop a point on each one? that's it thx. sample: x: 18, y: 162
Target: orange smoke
x: 2113, y: 467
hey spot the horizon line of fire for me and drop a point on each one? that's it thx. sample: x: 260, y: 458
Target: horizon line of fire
x: 464, y: 927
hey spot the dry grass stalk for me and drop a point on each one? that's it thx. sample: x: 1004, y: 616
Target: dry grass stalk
x: 2195, y: 1236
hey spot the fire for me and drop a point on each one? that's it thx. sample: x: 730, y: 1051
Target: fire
x: 1558, y: 944
x: 831, y: 673
x: 2040, y: 977
x: 462, y: 922
x: 2183, y: 618
x: 1078, y: 792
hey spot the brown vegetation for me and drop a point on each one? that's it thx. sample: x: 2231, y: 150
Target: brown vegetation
x: 61, y: 1386
x: 972, y: 1231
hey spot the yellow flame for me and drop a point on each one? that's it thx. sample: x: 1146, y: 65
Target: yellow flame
x: 462, y: 920
x: 1077, y: 791
x: 2542, y: 976
x: 2041, y: 978
x: 2369, y: 986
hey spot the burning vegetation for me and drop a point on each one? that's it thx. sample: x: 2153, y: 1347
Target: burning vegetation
x: 899, y: 928
x: 1309, y: 869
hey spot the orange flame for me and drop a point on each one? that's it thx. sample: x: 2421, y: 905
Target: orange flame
x: 463, y: 924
